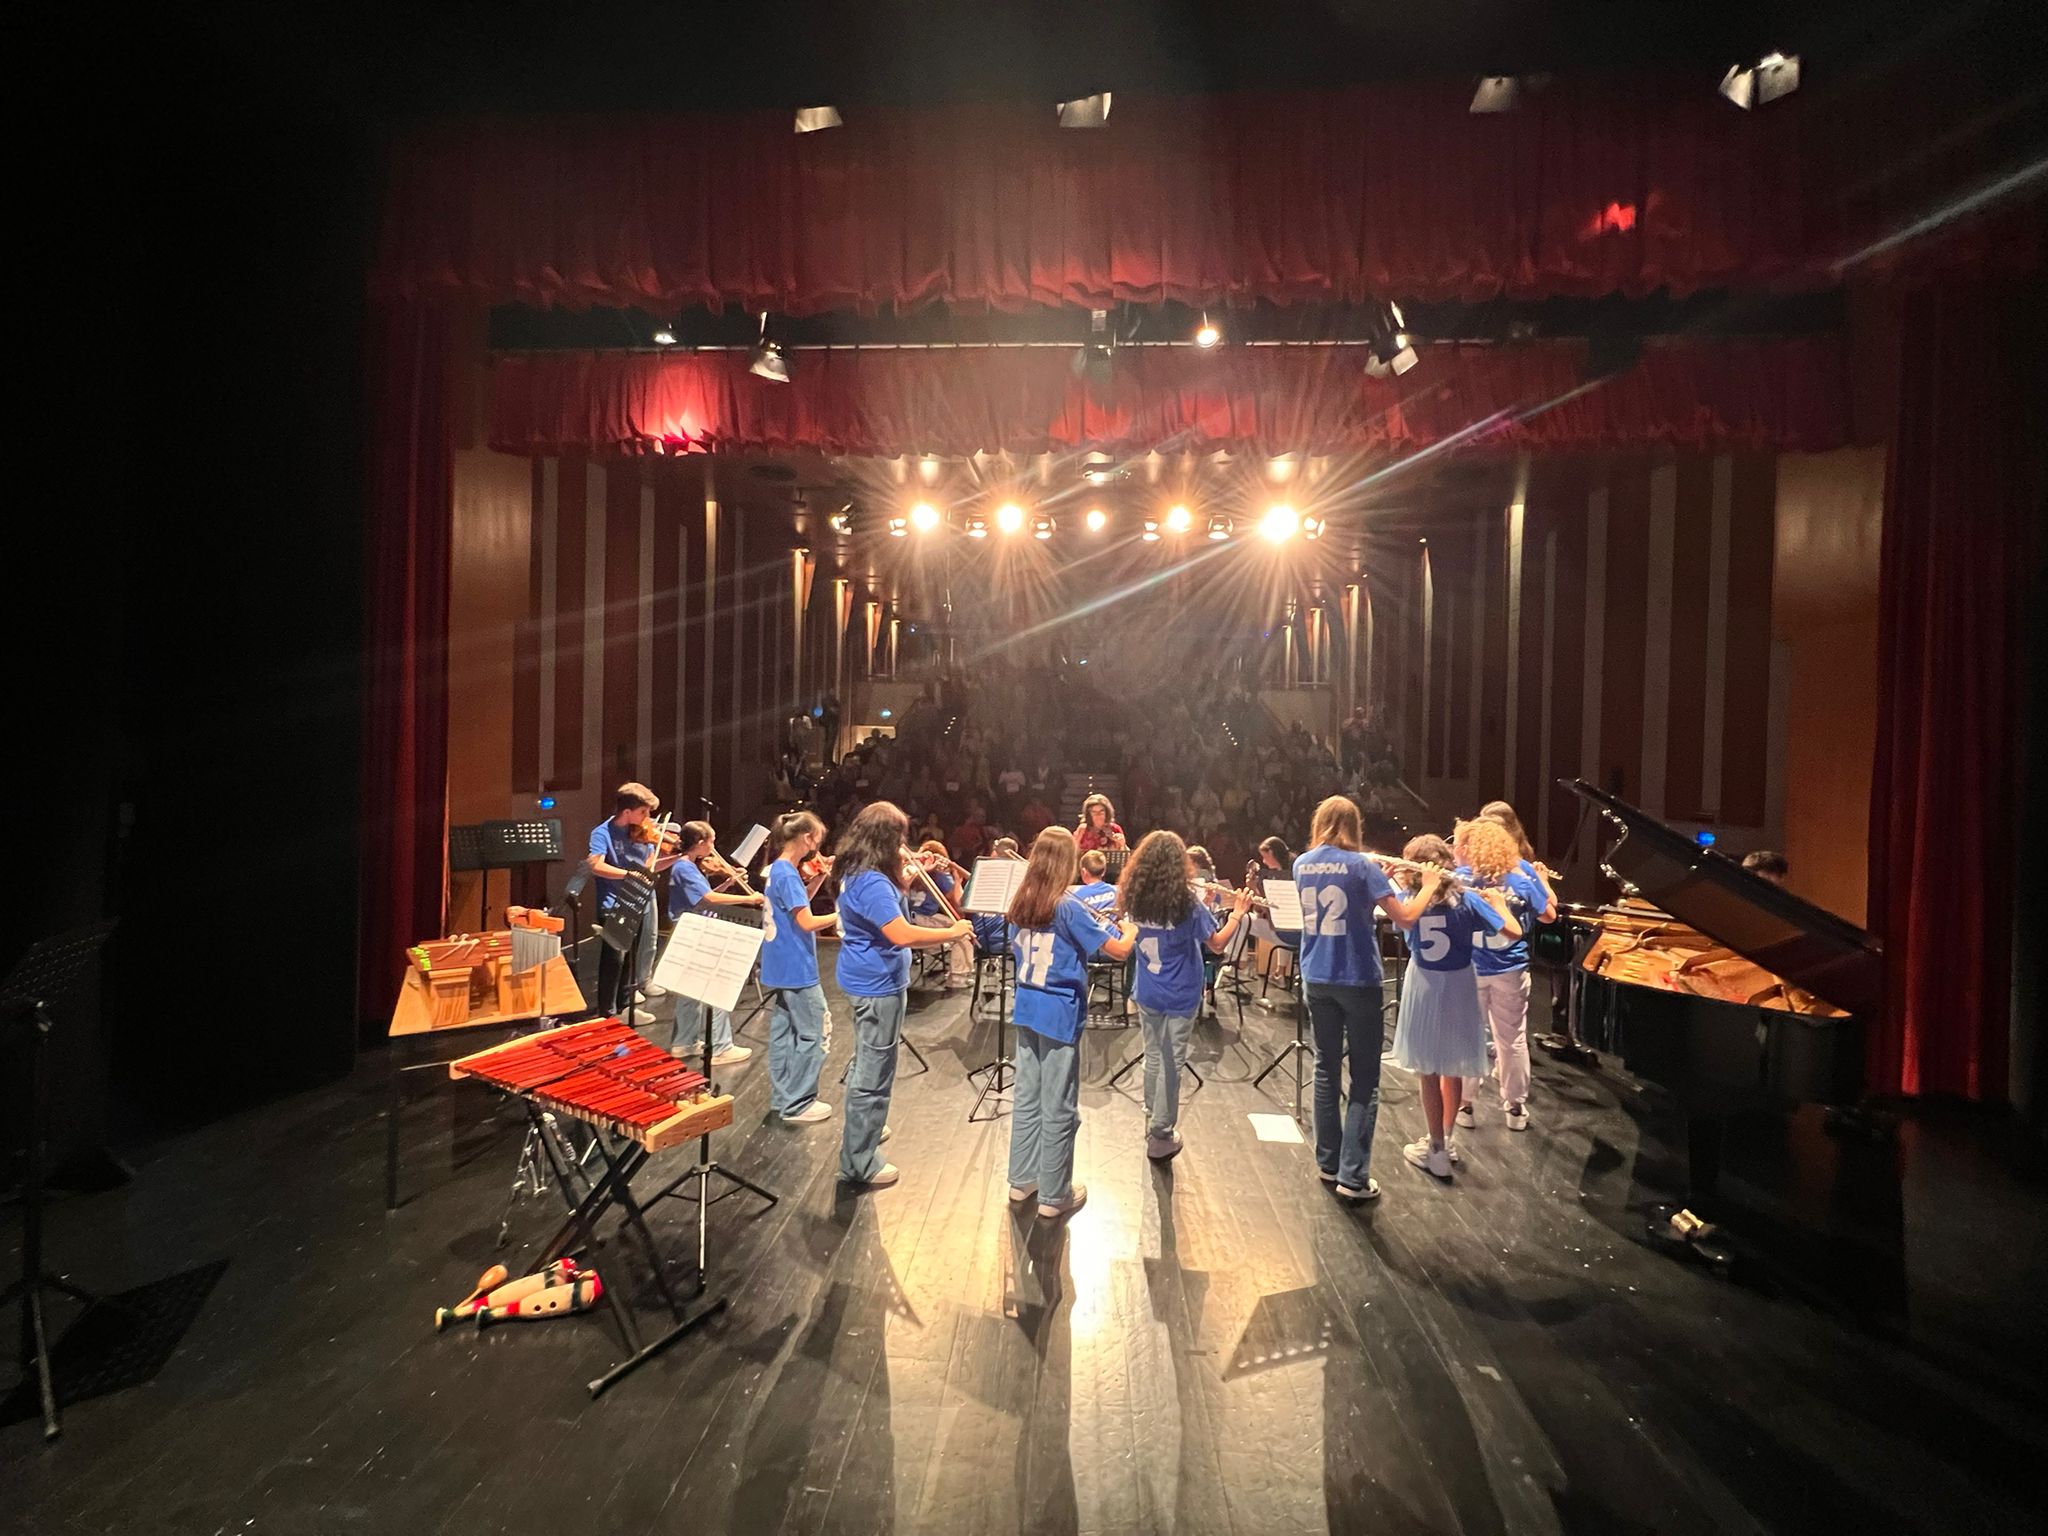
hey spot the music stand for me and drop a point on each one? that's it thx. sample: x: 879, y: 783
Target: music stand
x: 512, y: 845
x: 1283, y: 906
x: 466, y: 856
x: 990, y: 886
x: 52, y: 974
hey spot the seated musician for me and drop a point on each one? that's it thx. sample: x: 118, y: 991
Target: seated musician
x: 618, y: 861
x: 926, y: 911
x: 1095, y: 892
x: 1767, y: 865
x: 1098, y: 828
x: 690, y: 891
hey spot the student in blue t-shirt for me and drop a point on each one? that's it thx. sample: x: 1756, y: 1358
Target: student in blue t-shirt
x: 789, y: 974
x: 1093, y: 889
x: 1500, y: 960
x: 1340, y: 969
x: 689, y: 891
x: 619, y: 863
x: 1440, y: 1035
x: 874, y: 972
x: 1174, y: 931
x: 928, y: 911
x: 1054, y: 936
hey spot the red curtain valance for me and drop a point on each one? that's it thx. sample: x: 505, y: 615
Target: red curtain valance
x: 1704, y: 395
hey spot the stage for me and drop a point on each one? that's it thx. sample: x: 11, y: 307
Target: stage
x: 1212, y: 1345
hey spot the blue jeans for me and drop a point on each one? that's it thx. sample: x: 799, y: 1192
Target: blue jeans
x: 1166, y: 1050
x: 1346, y: 1021
x: 1045, y: 1115
x: 877, y: 1029
x: 689, y: 1028
x: 796, y: 1047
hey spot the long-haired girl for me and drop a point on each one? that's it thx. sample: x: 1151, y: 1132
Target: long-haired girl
x: 1340, y: 967
x: 1053, y: 937
x: 874, y: 973
x: 690, y: 890
x: 1173, y: 930
x: 1440, y: 1035
x: 1497, y: 852
x: 789, y: 975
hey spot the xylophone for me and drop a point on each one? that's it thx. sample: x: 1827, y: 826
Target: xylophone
x: 604, y: 1072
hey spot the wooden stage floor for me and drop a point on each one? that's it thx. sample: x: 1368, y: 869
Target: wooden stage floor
x: 1213, y: 1346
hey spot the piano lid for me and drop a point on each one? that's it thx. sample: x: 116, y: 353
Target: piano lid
x: 1806, y: 945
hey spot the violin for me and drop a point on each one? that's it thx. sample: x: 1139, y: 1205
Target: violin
x: 664, y: 832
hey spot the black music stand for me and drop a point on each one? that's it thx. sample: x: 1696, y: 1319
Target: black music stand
x: 512, y: 845
x: 1002, y: 1071
x: 46, y: 979
x: 466, y: 856
x: 1294, y: 1050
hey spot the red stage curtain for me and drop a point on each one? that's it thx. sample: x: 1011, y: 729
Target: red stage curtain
x: 1962, y: 505
x: 1707, y: 395
x: 404, y: 788
x: 1592, y: 187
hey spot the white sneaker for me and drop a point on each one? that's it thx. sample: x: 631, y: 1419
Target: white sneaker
x: 884, y: 1176
x: 651, y: 990
x: 1518, y: 1117
x: 1370, y: 1192
x: 1431, y: 1160
x: 886, y: 1134
x: 1066, y: 1207
x: 1465, y: 1116
x: 1451, y: 1151
x: 731, y: 1056
x: 810, y: 1114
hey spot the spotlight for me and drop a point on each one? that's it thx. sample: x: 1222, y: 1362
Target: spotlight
x: 1178, y: 519
x: 924, y: 517
x: 1085, y: 111
x: 664, y: 337
x: 1093, y: 360
x: 1097, y: 519
x: 975, y: 526
x: 841, y: 522
x: 1392, y: 351
x: 1042, y: 526
x: 1098, y: 469
x: 899, y: 527
x: 1009, y: 517
x: 768, y: 360
x: 1312, y: 527
x: 1219, y: 528
x: 1503, y: 93
x: 811, y: 119
x: 1280, y: 523
x: 1751, y: 85
x: 1207, y: 335
x: 1151, y: 532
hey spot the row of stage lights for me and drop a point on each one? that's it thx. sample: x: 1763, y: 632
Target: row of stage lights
x: 1277, y: 524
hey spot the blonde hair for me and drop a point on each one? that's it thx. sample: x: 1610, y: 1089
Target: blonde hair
x: 1488, y: 848
x: 1500, y: 811
x: 1336, y: 825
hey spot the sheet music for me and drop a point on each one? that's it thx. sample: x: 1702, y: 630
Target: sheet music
x: 743, y: 855
x: 992, y: 884
x: 708, y: 960
x: 1283, y: 904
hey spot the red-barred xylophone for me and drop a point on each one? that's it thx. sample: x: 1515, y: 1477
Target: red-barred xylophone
x: 602, y: 1071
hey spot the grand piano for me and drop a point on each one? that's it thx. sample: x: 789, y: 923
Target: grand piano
x: 1719, y: 986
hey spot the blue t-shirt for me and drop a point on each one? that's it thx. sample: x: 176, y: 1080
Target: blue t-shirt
x: 1495, y: 953
x: 1441, y: 939
x: 870, y: 965
x: 1052, y: 975
x: 614, y: 844
x: 1339, y: 890
x: 991, y: 931
x: 1170, y: 962
x: 789, y: 955
x: 1100, y: 896
x: 921, y: 903
x: 687, y: 888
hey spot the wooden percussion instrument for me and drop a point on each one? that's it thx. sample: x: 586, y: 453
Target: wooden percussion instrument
x: 604, y: 1072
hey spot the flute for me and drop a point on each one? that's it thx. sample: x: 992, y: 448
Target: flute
x: 1221, y: 889
x: 1409, y: 866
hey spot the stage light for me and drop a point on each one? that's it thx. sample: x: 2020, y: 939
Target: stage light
x: 1219, y: 527
x: 899, y: 527
x: 1704, y: 838
x: 664, y: 337
x: 1207, y: 335
x: 1503, y: 93
x: 1280, y: 523
x: 840, y: 522
x: 1009, y: 517
x: 1151, y: 531
x: 1094, y: 360
x: 1097, y: 519
x: 1392, y: 349
x: 768, y: 360
x: 1751, y: 85
x: 975, y: 526
x: 924, y: 517
x: 1179, y: 519
x: 1098, y: 469
x: 1042, y: 526
x: 546, y: 802
x: 888, y: 714
x: 1312, y: 527
x: 811, y: 119
x: 1085, y: 111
